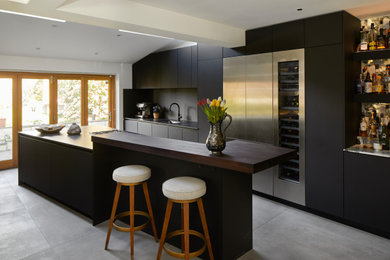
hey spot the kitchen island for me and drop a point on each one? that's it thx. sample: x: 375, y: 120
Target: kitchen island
x: 77, y: 171
x: 228, y: 201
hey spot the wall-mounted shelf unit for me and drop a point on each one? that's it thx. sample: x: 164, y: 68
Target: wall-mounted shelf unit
x: 372, y: 55
x: 372, y: 98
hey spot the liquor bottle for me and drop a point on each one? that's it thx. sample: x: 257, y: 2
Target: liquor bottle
x: 363, y: 39
x: 372, y: 43
x: 386, y: 80
x: 378, y: 81
x: 359, y: 85
x: 388, y: 37
x: 374, y: 83
x: 368, y: 84
x: 373, y: 127
x: 384, y: 136
x: 381, y: 41
x: 363, y: 128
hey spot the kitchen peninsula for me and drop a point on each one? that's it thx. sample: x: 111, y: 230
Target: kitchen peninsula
x: 77, y: 171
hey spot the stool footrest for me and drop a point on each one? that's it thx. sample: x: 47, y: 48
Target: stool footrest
x: 127, y: 213
x: 181, y: 232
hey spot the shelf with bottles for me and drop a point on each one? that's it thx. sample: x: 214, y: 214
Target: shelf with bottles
x: 374, y: 38
x: 374, y: 128
x: 373, y: 84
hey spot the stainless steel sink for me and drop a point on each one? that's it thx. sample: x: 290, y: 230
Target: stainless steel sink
x: 176, y: 122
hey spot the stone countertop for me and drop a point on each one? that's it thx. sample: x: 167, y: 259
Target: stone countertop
x: 82, y: 141
x: 367, y: 151
x: 164, y: 121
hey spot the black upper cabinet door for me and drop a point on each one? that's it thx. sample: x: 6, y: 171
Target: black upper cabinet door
x: 167, y: 69
x: 184, y: 68
x: 194, y: 66
x: 325, y: 106
x: 259, y: 40
x: 324, y: 30
x: 145, y: 73
x: 288, y: 36
x: 208, y: 52
x: 234, y: 52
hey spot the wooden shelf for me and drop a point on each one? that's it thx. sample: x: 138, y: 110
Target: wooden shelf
x: 372, y: 98
x: 372, y: 55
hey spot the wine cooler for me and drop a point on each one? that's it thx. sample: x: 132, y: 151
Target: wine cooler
x: 288, y: 89
x: 265, y: 96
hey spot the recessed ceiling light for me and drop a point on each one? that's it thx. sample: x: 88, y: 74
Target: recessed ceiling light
x: 20, y: 1
x: 152, y: 35
x: 300, y: 9
x: 34, y: 16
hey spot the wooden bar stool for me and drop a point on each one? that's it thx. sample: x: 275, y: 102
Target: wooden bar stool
x: 185, y: 190
x: 131, y: 175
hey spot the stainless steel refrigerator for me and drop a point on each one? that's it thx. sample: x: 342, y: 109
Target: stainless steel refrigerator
x: 265, y: 97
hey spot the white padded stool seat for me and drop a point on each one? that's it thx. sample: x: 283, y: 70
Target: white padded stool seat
x: 184, y: 188
x: 131, y: 174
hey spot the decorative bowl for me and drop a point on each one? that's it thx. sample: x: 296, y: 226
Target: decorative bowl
x: 50, y: 129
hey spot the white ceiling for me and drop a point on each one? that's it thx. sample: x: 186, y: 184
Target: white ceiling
x: 249, y: 14
x: 26, y: 36
x: 91, y: 30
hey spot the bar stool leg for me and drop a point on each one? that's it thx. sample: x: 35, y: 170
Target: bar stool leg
x: 147, y: 198
x: 205, y: 229
x: 186, y: 231
x: 114, y: 206
x: 131, y: 193
x: 182, y: 227
x: 165, y: 227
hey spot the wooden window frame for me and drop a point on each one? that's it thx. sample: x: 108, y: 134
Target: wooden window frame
x: 53, y: 104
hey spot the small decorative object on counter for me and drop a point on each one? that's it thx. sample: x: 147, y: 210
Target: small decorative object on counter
x: 215, y: 111
x: 156, y: 111
x: 50, y: 129
x: 74, y: 129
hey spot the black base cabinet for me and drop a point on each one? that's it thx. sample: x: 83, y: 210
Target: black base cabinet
x: 367, y: 192
x: 62, y: 172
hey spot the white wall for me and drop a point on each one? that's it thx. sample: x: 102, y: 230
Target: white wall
x: 122, y: 72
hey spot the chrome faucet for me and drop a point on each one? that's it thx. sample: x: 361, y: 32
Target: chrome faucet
x: 178, y: 110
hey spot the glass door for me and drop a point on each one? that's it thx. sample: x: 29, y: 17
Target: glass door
x: 68, y: 101
x: 99, y: 102
x: 35, y: 103
x: 8, y: 127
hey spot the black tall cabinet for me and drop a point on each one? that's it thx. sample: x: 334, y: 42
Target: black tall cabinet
x: 330, y: 113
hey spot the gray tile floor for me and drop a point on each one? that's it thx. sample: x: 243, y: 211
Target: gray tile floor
x: 35, y: 227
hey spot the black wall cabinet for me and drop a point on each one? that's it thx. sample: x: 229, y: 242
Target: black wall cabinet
x: 167, y: 69
x: 325, y: 117
x: 324, y: 30
x: 288, y: 36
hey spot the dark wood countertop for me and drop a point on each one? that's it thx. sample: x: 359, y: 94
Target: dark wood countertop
x: 82, y: 141
x: 239, y: 155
